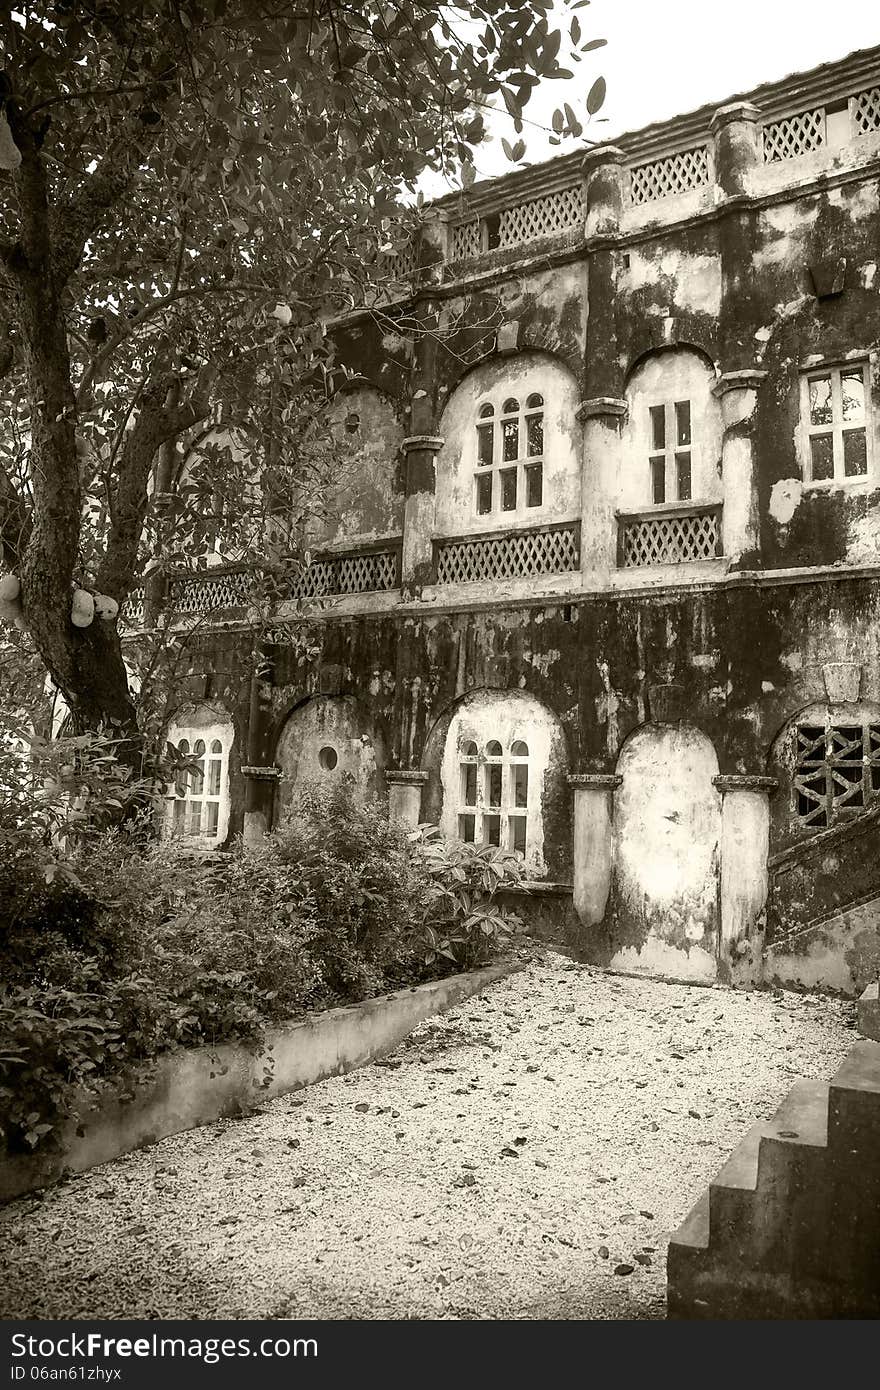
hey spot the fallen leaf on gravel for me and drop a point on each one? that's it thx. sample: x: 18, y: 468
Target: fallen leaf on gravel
x: 137, y: 1230
x: 603, y: 1252
x: 539, y: 1163
x: 508, y: 1152
x: 293, y: 1143
x: 228, y: 1220
x: 627, y: 1216
x: 623, y: 1269
x: 521, y: 1140
x: 466, y: 1180
x: 695, y: 1114
x: 362, y: 1106
x: 648, y: 1215
x: 642, y: 1259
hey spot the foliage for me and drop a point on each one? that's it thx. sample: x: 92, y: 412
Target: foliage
x: 191, y: 191
x: 461, y: 919
x: 135, y: 949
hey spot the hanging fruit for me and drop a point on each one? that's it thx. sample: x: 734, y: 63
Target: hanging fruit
x: 106, y: 607
x: 82, y: 609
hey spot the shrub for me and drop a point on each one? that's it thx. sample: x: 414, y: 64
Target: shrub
x: 461, y: 920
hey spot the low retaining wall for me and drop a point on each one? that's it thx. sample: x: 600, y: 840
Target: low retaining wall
x: 196, y: 1087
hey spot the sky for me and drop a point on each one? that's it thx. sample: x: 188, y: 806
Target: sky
x: 665, y: 57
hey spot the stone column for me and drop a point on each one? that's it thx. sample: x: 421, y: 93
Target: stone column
x: 405, y: 796
x: 417, y: 566
x: 737, y: 156
x: 592, y: 848
x: 745, y: 848
x: 602, y: 413
x: 740, y: 524
x: 259, y: 802
x: 737, y: 146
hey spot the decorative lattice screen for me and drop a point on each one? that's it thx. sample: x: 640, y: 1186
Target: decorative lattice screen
x: 508, y: 557
x: 669, y: 540
x: 553, y: 215
x: 676, y: 173
x: 205, y: 592
x: 794, y: 135
x: 132, y: 614
x: 398, y: 265
x: 866, y: 111
x: 837, y: 772
x: 348, y: 574
x: 466, y: 240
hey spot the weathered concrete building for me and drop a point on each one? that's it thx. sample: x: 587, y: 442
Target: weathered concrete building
x: 606, y: 591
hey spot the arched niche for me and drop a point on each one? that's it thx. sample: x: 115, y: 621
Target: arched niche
x: 481, y: 399
x: 326, y: 742
x: 365, y: 502
x: 498, y: 766
x: 673, y: 417
x: 667, y: 830
x: 197, y: 805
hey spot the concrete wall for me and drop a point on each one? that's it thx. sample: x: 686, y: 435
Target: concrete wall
x: 366, y: 503
x: 203, y: 1085
x: 327, y: 741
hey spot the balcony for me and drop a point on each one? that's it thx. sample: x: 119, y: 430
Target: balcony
x: 508, y: 555
x: 674, y: 533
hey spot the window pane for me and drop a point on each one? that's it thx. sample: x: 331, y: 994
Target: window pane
x: 179, y: 814
x: 493, y: 749
x: 469, y: 749
x: 508, y: 490
x: 486, y: 411
x: 852, y: 390
x: 197, y: 780
x: 484, y: 493
x: 216, y: 746
x: 510, y: 406
x: 466, y: 829
x: 658, y: 480
x: 195, y: 817
x: 510, y: 433
x: 535, y: 432
x: 683, y: 476
x: 821, y: 457
x: 820, y: 400
x: 535, y: 401
x: 213, y: 812
x: 199, y: 748
x: 485, y: 437
x: 519, y: 749
x: 469, y: 784
x: 183, y: 746
x: 534, y: 485
x: 658, y: 426
x: 214, y: 777
x: 492, y: 830
x: 855, y: 453
x: 682, y: 422
x: 520, y: 784
x: 493, y: 785
x: 518, y: 833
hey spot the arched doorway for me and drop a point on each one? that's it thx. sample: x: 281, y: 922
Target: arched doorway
x: 326, y: 741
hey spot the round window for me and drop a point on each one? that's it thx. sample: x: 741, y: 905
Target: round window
x: 328, y: 758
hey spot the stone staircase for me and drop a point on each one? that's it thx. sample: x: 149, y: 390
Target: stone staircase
x: 790, y: 1227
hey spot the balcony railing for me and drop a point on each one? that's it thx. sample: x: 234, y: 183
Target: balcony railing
x: 671, y: 534
x: 513, y: 555
x: 366, y: 571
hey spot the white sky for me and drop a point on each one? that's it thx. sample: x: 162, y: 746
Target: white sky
x: 664, y: 57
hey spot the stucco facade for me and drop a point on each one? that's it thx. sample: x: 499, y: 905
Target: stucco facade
x: 619, y: 506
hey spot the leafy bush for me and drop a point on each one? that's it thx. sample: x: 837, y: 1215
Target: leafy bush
x: 129, y: 949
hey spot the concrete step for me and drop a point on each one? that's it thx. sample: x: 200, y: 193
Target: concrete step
x: 792, y: 1141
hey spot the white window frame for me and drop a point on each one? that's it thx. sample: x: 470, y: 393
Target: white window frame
x: 479, y: 808
x: 491, y: 413
x: 191, y: 788
x: 671, y: 451
x: 838, y: 427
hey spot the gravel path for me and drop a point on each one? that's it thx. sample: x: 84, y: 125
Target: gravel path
x: 510, y: 1160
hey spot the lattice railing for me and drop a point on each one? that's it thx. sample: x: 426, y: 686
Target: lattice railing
x: 794, y: 135
x: 466, y: 241
x: 132, y: 613
x: 398, y: 265
x: 865, y: 111
x: 549, y: 550
x: 669, y: 538
x: 348, y: 574
x: 675, y: 173
x: 202, y: 593
x: 552, y: 215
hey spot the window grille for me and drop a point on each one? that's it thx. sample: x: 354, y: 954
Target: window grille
x: 837, y: 773
x: 509, y: 473
x: 198, y: 791
x: 675, y: 173
x: 493, y: 802
x: 348, y: 574
x: 669, y: 539
x: 835, y: 407
x: 865, y: 111
x: 794, y: 135
x: 553, y: 215
x: 670, y: 458
x: 467, y: 240
x: 548, y: 551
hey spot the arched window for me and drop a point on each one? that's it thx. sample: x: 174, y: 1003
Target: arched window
x: 494, y: 794
x: 509, y: 473
x: 837, y: 771
x: 198, y: 799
